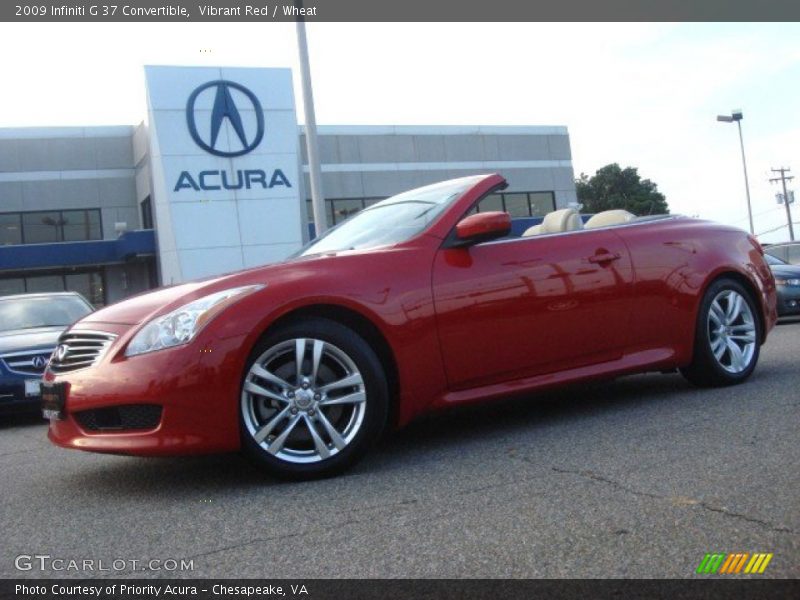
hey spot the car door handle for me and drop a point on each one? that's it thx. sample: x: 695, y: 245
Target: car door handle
x: 604, y: 257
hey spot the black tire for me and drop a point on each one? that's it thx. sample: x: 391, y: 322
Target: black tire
x: 375, y: 407
x: 706, y: 370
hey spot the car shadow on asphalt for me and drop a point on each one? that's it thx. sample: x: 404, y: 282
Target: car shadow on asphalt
x: 544, y: 409
x: 25, y: 419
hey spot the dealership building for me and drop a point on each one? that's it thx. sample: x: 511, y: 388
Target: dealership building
x: 216, y: 179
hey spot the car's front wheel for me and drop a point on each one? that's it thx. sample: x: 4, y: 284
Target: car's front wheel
x: 313, y: 399
x: 727, y: 338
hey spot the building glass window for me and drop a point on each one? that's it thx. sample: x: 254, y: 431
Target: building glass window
x: 517, y: 204
x: 12, y: 285
x: 44, y: 227
x: 44, y: 283
x: 343, y: 208
x: 88, y: 283
x: 41, y: 227
x: 81, y: 225
x: 492, y: 202
x: 542, y: 203
x: 10, y: 229
x: 147, y: 213
x: 339, y: 209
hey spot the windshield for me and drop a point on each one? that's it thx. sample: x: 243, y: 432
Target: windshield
x: 43, y: 311
x: 773, y: 260
x: 393, y: 220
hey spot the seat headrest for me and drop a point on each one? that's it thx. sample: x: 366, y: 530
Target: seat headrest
x: 558, y: 221
x: 607, y: 218
x: 535, y: 230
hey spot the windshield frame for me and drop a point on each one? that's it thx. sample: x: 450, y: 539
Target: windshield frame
x: 463, y: 185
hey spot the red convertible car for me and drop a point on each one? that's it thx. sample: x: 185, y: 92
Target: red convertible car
x: 420, y: 302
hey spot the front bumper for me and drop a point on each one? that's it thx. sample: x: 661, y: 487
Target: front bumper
x: 194, y: 385
x: 13, y: 396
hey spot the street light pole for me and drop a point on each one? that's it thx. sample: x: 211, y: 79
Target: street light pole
x: 312, y: 146
x: 746, y: 181
x: 736, y: 115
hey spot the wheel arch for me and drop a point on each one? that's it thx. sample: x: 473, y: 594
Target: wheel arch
x: 364, y: 327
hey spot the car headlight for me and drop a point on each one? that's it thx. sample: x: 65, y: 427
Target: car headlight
x: 182, y: 324
x: 792, y: 282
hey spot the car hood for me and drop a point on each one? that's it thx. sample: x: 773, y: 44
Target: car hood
x: 19, y: 340
x: 137, y: 309
x: 145, y: 306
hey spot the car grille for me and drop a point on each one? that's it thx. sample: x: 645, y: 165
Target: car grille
x: 79, y: 349
x: 27, y: 363
x: 118, y: 418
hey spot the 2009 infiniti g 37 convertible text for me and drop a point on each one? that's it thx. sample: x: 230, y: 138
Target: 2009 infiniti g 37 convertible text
x: 419, y: 302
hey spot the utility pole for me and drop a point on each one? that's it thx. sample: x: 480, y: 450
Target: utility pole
x: 783, y: 179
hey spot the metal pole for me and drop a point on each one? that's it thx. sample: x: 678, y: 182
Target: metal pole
x: 786, y: 202
x: 312, y: 147
x: 788, y: 210
x: 746, y: 181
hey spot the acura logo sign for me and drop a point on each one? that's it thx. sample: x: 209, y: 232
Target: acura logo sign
x: 207, y: 134
x: 39, y: 362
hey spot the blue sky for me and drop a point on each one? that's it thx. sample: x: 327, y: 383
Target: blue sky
x: 641, y: 94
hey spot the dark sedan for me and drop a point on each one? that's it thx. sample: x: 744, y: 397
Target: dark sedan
x: 30, y: 325
x: 787, y: 282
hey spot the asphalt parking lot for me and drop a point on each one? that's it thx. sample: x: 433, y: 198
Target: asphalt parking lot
x: 635, y: 478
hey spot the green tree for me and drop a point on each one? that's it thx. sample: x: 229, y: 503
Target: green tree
x: 614, y: 187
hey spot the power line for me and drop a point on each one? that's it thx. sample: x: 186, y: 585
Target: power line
x: 760, y: 214
x: 778, y: 228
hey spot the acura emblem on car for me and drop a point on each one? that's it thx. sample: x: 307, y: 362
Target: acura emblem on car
x: 39, y: 362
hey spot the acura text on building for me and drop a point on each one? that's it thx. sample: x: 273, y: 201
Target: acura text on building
x: 222, y: 180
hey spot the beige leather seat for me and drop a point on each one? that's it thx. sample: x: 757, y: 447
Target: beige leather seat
x: 608, y: 218
x: 558, y: 221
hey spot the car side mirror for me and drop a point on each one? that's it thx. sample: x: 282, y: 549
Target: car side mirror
x: 482, y: 227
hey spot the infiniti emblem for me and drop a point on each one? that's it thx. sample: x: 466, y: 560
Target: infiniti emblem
x: 61, y: 352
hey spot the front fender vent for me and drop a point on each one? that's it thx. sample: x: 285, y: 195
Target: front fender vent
x: 126, y: 417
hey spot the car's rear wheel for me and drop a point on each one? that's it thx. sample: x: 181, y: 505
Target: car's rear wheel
x: 727, y: 338
x: 314, y: 398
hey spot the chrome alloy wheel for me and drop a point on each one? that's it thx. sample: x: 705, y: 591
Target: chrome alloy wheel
x: 732, y: 331
x: 303, y: 400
